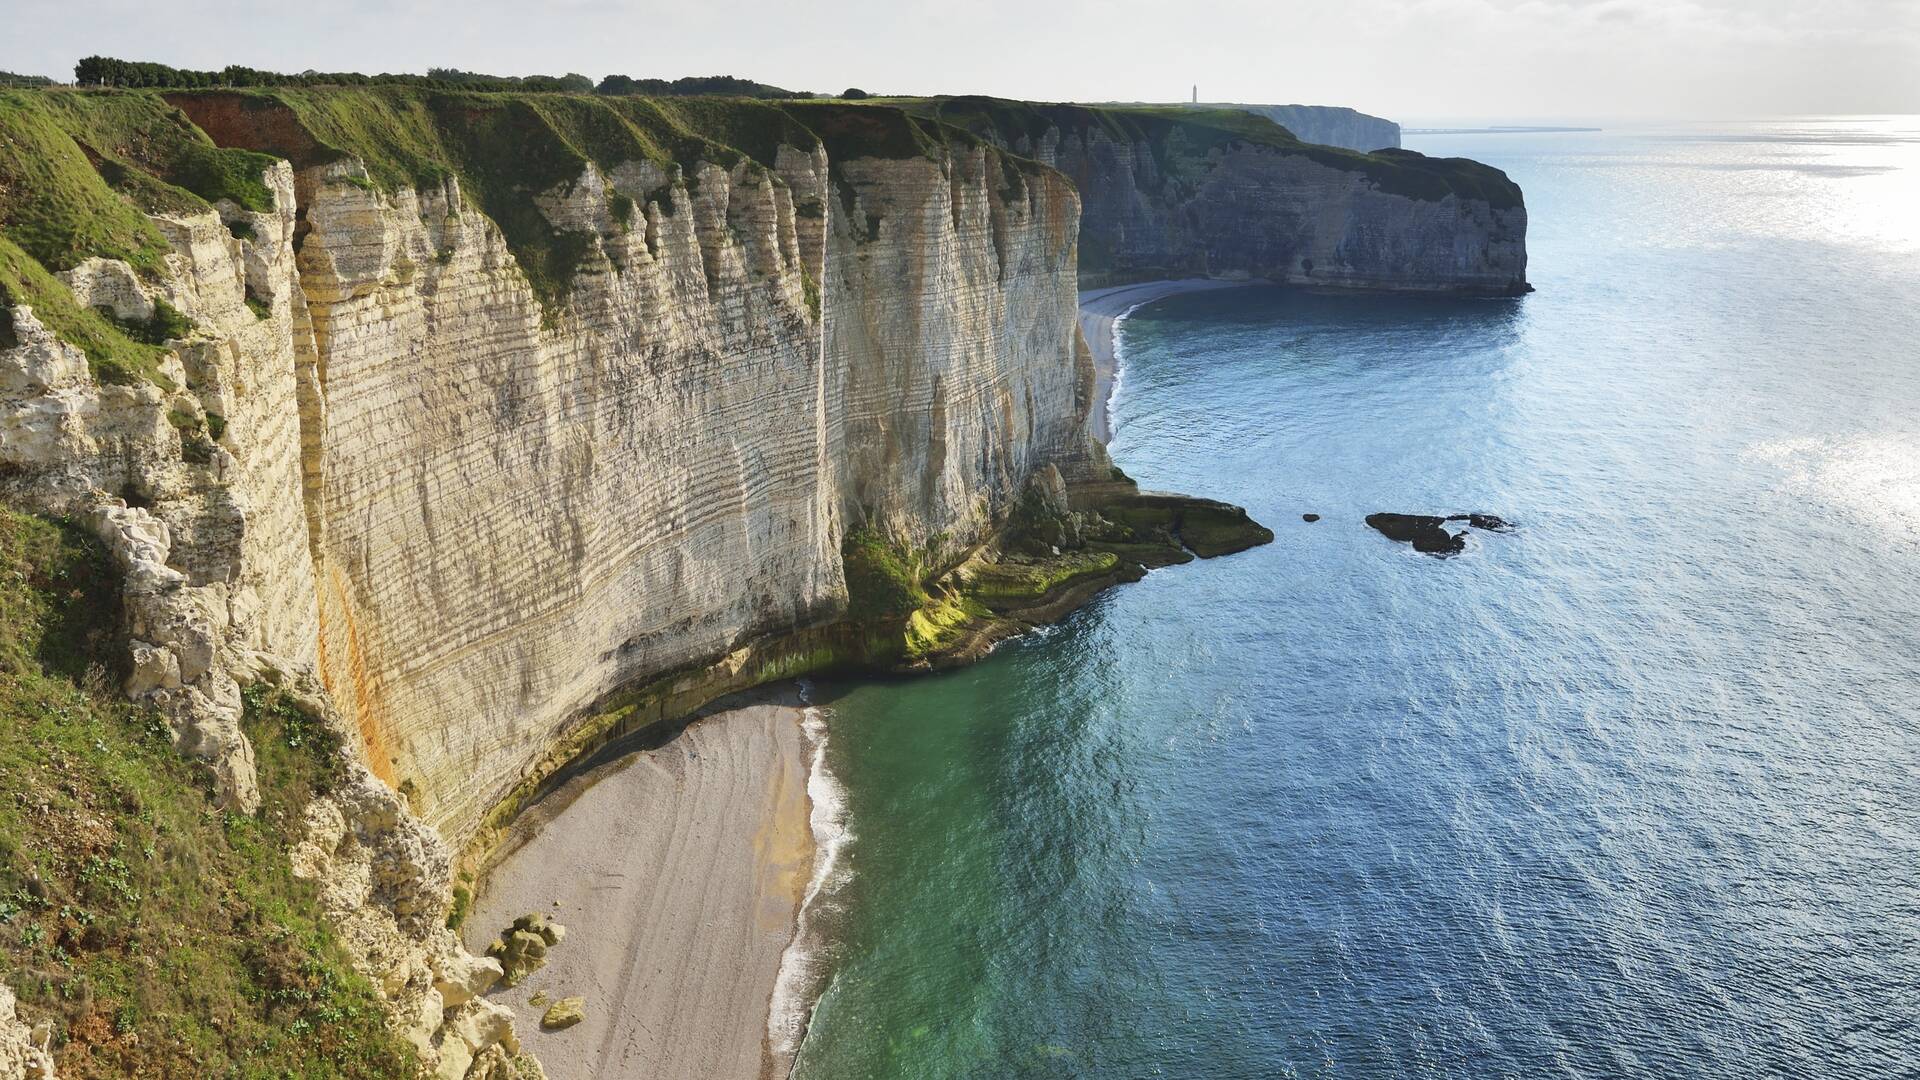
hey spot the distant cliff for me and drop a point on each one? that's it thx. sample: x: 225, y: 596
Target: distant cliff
x: 1330, y: 125
x: 1173, y: 191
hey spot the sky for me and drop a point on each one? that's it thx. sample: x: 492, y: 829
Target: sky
x: 1411, y: 59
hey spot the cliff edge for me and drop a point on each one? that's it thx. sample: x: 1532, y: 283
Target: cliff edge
x: 1329, y: 125
x: 1178, y: 191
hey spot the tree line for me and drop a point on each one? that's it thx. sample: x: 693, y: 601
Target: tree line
x: 110, y: 71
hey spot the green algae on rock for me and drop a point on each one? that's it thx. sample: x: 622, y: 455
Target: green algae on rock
x: 564, y: 1013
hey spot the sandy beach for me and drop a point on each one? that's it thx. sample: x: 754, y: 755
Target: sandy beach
x: 1101, y: 309
x: 678, y: 873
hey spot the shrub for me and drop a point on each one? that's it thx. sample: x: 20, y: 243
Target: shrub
x: 882, y: 577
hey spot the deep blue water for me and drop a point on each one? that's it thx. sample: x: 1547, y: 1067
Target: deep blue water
x: 1632, y: 791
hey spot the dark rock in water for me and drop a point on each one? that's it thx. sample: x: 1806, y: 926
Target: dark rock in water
x: 1426, y: 533
x: 1309, y: 518
x: 1484, y: 521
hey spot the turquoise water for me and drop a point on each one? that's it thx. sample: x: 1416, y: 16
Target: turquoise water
x: 1632, y: 791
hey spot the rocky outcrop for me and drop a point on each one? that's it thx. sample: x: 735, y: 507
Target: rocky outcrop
x: 521, y: 949
x: 1329, y: 125
x: 1428, y: 533
x: 564, y: 1013
x: 24, y: 1052
x: 185, y: 477
x: 1171, y: 192
x: 383, y: 878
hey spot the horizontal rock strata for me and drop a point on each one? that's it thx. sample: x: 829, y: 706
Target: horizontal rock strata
x: 491, y: 426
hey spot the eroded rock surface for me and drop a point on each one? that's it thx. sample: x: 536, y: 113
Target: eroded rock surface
x: 25, y: 1053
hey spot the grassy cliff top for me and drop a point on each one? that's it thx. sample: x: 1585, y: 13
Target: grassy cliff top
x: 1188, y: 132
x: 79, y: 173
x: 81, y: 170
x: 410, y: 136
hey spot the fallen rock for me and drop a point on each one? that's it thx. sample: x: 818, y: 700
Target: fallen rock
x: 564, y: 1013
x: 521, y: 949
x: 1426, y: 533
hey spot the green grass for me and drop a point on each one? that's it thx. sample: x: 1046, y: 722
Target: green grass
x: 78, y: 171
x: 164, y: 324
x: 1033, y: 579
x: 620, y: 205
x: 54, y: 204
x: 112, y: 354
x: 162, y: 937
x: 883, y: 578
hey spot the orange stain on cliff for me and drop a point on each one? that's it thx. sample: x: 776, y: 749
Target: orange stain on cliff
x: 360, y: 689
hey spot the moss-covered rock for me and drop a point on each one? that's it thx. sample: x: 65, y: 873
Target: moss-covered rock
x: 564, y: 1013
x: 522, y: 947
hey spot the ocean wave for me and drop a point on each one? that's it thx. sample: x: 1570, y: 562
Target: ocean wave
x: 803, y: 966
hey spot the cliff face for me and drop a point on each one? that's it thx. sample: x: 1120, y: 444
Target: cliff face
x: 513, y: 512
x: 1176, y: 192
x: 1329, y: 125
x: 952, y: 375
x: 479, y: 470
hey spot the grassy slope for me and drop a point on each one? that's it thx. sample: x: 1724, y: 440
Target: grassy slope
x: 164, y: 939
x: 77, y: 170
x: 1180, y: 136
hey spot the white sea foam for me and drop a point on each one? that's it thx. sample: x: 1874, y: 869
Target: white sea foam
x: 1118, y: 349
x: 802, y: 966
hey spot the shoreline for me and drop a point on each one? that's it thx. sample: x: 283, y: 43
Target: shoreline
x: 694, y: 861
x: 804, y: 970
x: 681, y: 872
x: 1101, y: 311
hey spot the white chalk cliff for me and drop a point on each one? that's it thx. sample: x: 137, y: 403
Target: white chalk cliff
x: 455, y: 516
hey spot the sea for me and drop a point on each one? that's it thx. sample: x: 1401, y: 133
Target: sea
x: 1632, y: 790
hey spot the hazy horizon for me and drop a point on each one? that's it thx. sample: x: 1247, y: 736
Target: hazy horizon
x: 1457, y: 59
